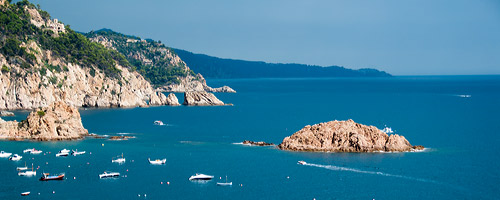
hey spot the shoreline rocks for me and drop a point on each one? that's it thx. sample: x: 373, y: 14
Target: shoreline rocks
x: 261, y: 143
x: 4, y: 113
x: 201, y: 99
x: 345, y: 136
x: 55, y: 122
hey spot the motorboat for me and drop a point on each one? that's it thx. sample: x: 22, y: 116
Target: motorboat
x: 28, y: 173
x: 15, y: 157
x: 62, y: 154
x: 301, y: 162
x: 4, y: 154
x: 109, y: 174
x: 159, y: 123
x: 75, y: 153
x: 202, y: 177
x: 28, y: 150
x: 225, y: 183
x: 22, y: 168
x: 34, y: 151
x: 157, y: 161
x: 48, y: 177
x: 25, y: 193
x: 64, y: 151
x: 119, y: 160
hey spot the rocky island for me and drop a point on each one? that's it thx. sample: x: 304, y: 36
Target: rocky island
x: 345, y: 136
x: 58, y: 121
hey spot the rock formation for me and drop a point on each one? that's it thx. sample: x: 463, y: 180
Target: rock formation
x: 194, y: 83
x: 248, y: 142
x: 4, y: 113
x: 56, y: 122
x: 201, y: 99
x: 345, y: 136
x: 158, y: 99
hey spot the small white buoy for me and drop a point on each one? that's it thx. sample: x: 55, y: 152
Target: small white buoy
x: 220, y: 177
x: 46, y: 163
x: 288, y: 177
x: 69, y: 166
x: 102, y: 144
x: 74, y: 178
x: 53, y: 192
x: 145, y: 195
x: 138, y: 195
x: 168, y: 183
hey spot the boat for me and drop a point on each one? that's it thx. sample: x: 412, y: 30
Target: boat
x: 75, y: 153
x: 225, y: 183
x: 4, y: 154
x: 22, y: 168
x: 159, y: 123
x: 109, y: 174
x: 62, y: 154
x: 28, y: 173
x: 48, y: 177
x: 25, y: 193
x: 157, y: 161
x: 301, y: 162
x: 34, y: 151
x: 28, y: 150
x: 119, y: 160
x: 15, y: 157
x: 198, y: 177
x: 64, y: 151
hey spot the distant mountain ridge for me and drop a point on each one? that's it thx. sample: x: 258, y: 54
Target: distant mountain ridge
x: 213, y: 67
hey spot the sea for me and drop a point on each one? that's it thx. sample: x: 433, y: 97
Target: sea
x: 457, y: 119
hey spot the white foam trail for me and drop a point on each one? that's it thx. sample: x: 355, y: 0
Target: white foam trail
x: 337, y: 168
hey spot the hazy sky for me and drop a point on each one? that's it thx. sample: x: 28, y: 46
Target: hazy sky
x: 402, y: 37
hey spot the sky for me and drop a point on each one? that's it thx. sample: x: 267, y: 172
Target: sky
x: 402, y: 37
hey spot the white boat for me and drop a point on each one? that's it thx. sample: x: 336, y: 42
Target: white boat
x: 28, y: 173
x: 109, y: 174
x: 64, y: 151
x: 62, y: 154
x: 159, y: 123
x: 119, y: 160
x: 22, y: 168
x: 28, y: 150
x: 25, y: 193
x: 157, y: 161
x: 34, y: 151
x: 15, y: 157
x: 301, y: 162
x: 4, y: 154
x: 202, y: 177
x: 225, y: 183
x: 75, y: 153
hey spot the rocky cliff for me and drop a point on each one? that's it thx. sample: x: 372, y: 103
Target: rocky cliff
x: 201, y: 99
x: 58, y: 121
x: 61, y: 65
x: 345, y: 136
x: 159, y: 64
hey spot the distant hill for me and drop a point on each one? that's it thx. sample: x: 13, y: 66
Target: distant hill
x: 213, y: 67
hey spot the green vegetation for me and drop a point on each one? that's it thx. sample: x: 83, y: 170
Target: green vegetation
x: 72, y: 46
x: 5, y: 69
x: 40, y: 113
x: 154, y: 63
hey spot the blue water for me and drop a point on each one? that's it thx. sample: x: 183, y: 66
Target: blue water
x: 461, y: 162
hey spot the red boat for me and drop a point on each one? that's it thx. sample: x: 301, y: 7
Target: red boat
x: 47, y: 177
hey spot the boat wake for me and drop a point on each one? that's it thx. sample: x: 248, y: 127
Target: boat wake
x: 337, y: 168
x: 464, y: 95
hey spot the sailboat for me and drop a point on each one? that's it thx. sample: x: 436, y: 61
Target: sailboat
x: 28, y: 173
x: 119, y: 160
x: 225, y: 184
x: 22, y: 168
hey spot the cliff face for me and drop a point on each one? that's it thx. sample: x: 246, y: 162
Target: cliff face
x: 156, y: 62
x: 201, y: 99
x: 34, y: 77
x: 345, y: 136
x: 55, y: 122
